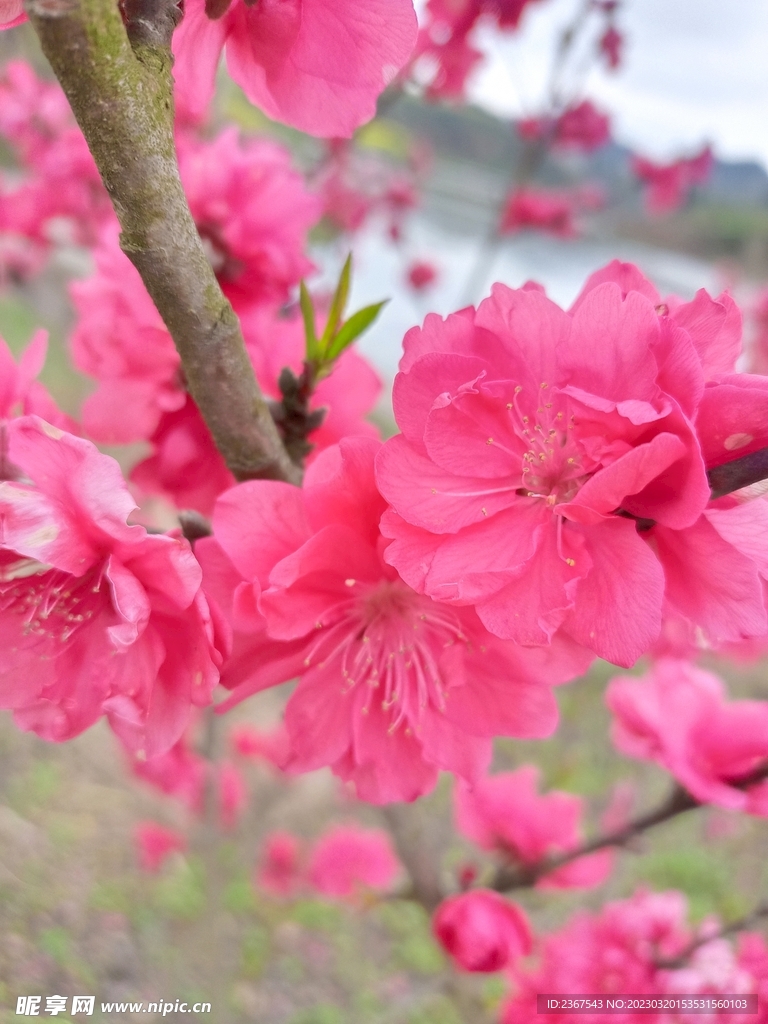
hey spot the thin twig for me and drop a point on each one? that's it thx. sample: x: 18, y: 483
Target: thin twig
x: 739, y: 925
x: 520, y: 876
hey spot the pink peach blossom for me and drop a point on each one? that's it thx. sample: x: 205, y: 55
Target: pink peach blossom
x: 544, y: 209
x: 579, y: 127
x: 155, y: 843
x: 482, y: 931
x: 392, y: 686
x: 253, y: 212
x: 348, y: 857
x: 677, y: 715
x: 11, y: 13
x: 668, y: 185
x: 20, y: 392
x: 582, y: 127
x: 318, y: 65
x: 531, y: 434
x: 279, y: 870
x: 178, y: 773
x: 611, y: 46
x: 186, y: 468
x: 421, y: 275
x: 505, y: 814
x: 97, y: 618
x: 270, y: 745
x: 616, y: 952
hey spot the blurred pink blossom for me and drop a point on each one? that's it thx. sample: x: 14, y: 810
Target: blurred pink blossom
x: 348, y: 857
x: 482, y: 931
x: 156, y: 843
x: 617, y: 952
x: 504, y: 813
x: 677, y: 715
x: 668, y: 185
x: 421, y: 275
x: 279, y: 870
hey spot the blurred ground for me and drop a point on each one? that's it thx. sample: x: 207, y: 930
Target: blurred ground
x: 77, y: 916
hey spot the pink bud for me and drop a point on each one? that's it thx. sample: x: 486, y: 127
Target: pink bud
x: 482, y: 931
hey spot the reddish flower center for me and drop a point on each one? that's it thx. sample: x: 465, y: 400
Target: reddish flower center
x: 553, y: 463
x: 49, y: 603
x: 388, y: 639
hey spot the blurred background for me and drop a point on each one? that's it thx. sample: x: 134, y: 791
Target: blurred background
x: 80, y: 912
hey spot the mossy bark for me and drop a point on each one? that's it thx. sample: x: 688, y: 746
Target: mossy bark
x: 118, y: 81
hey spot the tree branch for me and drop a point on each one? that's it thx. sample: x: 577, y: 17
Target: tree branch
x: 521, y: 876
x: 732, y: 476
x: 119, y: 84
x: 739, y: 925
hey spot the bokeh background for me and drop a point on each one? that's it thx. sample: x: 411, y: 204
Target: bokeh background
x: 78, y: 915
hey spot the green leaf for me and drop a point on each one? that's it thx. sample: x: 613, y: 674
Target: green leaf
x: 336, y: 311
x: 353, y: 328
x: 308, y: 313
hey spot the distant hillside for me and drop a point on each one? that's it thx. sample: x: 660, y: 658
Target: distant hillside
x: 469, y: 135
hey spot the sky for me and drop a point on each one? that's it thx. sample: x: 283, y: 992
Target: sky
x: 695, y: 71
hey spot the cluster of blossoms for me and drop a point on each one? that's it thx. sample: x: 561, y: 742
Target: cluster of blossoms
x: 444, y: 46
x: 547, y: 501
x: 553, y: 211
x: 505, y: 815
x: 633, y: 946
x: 641, y: 946
x: 555, y: 494
x: 98, y: 618
x: 581, y: 126
x: 58, y: 196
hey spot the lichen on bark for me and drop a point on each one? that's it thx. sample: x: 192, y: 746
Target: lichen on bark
x: 117, y: 75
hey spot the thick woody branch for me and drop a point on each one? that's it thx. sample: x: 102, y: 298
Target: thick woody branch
x: 418, y: 852
x: 118, y: 82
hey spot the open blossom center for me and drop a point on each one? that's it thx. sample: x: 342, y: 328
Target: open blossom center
x: 388, y: 639
x: 553, y: 463
x: 49, y: 603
